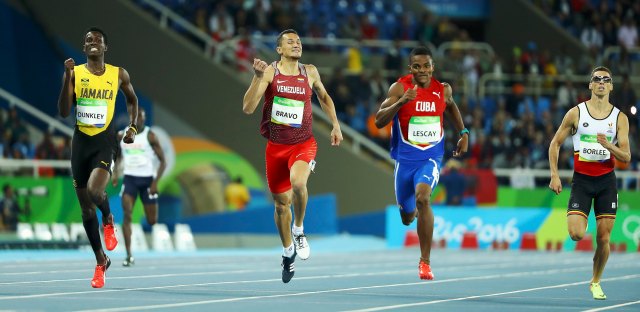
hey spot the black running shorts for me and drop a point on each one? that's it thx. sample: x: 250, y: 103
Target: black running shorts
x: 601, y: 189
x: 90, y: 152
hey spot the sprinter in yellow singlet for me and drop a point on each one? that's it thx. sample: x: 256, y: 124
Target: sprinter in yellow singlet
x: 92, y: 88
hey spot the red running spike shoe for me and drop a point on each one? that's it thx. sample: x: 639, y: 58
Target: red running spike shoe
x: 99, y: 274
x: 109, y: 230
x: 424, y: 271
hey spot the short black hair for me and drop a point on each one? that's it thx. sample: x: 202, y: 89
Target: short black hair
x: 98, y: 30
x: 284, y: 32
x: 5, y: 187
x: 600, y: 68
x: 420, y: 50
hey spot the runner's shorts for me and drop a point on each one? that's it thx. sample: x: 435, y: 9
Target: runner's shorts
x: 132, y: 186
x: 280, y: 157
x: 601, y: 190
x: 408, y: 174
x: 90, y: 152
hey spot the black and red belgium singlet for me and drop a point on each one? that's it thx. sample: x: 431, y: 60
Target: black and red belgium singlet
x: 287, y: 115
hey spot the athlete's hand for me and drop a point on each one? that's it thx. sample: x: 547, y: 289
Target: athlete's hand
x: 259, y: 66
x: 114, y: 179
x: 463, y: 145
x: 602, y: 139
x: 336, y: 136
x: 129, y: 136
x: 69, y: 64
x: 555, y: 185
x: 153, y: 189
x: 409, y: 95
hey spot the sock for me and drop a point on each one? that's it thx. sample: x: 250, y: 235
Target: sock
x: 288, y: 251
x: 297, y: 230
x: 91, y: 227
x: 104, y: 207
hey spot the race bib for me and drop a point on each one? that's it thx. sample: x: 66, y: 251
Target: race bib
x: 424, y: 129
x: 591, y: 150
x: 287, y: 112
x: 91, y: 112
x: 135, y: 157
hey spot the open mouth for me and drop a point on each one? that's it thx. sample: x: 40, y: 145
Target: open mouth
x: 94, y: 49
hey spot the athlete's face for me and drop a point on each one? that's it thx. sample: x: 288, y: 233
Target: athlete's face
x: 94, y: 44
x: 290, y: 46
x: 421, y: 68
x: 601, y: 83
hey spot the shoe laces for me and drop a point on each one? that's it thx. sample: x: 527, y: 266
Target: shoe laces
x: 99, y: 272
x: 300, y: 240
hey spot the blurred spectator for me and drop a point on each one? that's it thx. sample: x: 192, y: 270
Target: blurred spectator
x: 23, y: 148
x: 567, y: 95
x: 15, y: 125
x: 351, y: 28
x: 628, y: 33
x: 237, y: 194
x: 46, y: 149
x: 454, y: 182
x: 221, y: 24
x: 426, y: 29
x: 245, y: 52
x: 394, y: 60
x: 353, y: 57
x: 9, y: 209
x: 624, y: 97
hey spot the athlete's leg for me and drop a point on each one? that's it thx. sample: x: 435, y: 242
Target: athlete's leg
x: 299, y: 176
x: 127, y: 207
x: 425, y: 220
x: 96, y: 187
x: 282, y: 216
x: 90, y: 223
x: 151, y: 212
x: 577, y: 226
x: 604, y: 226
x: 405, y: 193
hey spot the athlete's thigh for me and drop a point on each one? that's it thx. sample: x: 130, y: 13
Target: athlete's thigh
x: 144, y: 187
x: 277, y: 169
x: 581, y: 197
x: 428, y: 174
x: 129, y: 187
x: 405, y: 186
x: 605, y: 204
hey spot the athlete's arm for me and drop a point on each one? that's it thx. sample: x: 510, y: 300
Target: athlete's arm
x: 132, y: 104
x: 622, y: 152
x: 396, y: 97
x: 263, y: 75
x: 568, y: 126
x: 117, y: 160
x: 454, y: 113
x: 326, y: 103
x: 65, y: 100
x: 155, y: 144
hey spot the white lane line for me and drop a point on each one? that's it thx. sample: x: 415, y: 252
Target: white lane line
x: 400, y: 306
x: 499, y: 265
x: 613, y: 306
x: 487, y: 277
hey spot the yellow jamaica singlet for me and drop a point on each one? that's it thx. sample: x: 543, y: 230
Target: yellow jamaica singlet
x: 95, y: 98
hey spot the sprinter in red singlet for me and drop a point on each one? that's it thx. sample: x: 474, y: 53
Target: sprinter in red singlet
x: 291, y: 147
x: 600, y: 133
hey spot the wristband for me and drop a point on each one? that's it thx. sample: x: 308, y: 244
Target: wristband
x: 463, y: 131
x: 134, y: 128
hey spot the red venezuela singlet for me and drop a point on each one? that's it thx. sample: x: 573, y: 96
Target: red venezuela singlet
x: 287, y: 115
x: 418, y: 126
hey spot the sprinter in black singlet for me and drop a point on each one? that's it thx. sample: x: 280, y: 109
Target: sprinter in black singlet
x: 92, y: 88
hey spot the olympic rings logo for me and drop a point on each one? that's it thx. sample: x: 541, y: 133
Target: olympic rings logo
x: 631, y: 228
